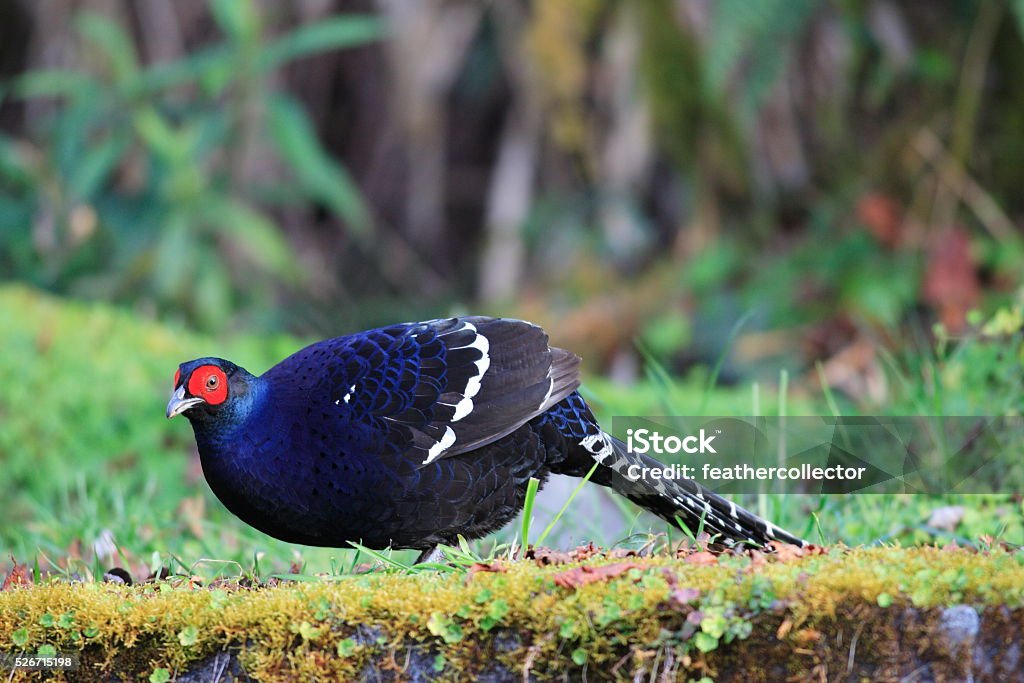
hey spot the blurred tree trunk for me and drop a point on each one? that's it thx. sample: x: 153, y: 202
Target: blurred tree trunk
x: 428, y: 44
x: 511, y: 194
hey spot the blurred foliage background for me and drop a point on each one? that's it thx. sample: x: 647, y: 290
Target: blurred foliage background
x: 843, y: 172
x: 809, y: 201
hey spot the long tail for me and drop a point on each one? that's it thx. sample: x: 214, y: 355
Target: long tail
x: 685, y: 499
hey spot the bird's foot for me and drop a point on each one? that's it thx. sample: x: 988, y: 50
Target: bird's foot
x: 433, y: 555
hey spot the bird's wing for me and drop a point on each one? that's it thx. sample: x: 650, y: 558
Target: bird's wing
x: 443, y: 387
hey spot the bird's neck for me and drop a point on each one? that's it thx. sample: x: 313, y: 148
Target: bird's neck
x: 215, y: 434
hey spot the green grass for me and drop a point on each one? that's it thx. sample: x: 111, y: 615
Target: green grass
x: 95, y: 477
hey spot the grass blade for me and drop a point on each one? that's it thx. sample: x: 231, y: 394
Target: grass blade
x: 531, y: 495
x: 381, y: 557
x: 565, y: 506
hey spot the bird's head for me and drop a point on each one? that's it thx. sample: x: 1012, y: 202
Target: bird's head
x: 208, y: 389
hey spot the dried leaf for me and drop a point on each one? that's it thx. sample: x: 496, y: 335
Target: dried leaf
x: 581, y: 576
x: 784, y: 552
x: 757, y: 560
x: 20, y: 575
x: 857, y: 370
x: 882, y: 216
x: 546, y: 556
x: 951, y: 278
x: 702, y: 559
x: 478, y: 567
x: 585, y: 552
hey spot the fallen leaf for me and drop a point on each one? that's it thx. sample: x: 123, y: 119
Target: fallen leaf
x: 951, y: 278
x: 581, y: 576
x: 584, y: 552
x: 857, y: 370
x: 757, y: 560
x: 478, y: 567
x: 546, y: 556
x: 20, y: 575
x: 702, y: 558
x: 784, y: 552
x: 882, y: 216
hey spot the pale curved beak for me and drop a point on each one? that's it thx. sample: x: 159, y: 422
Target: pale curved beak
x: 179, y: 404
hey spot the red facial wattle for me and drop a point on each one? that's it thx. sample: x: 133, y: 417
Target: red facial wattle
x: 177, y: 378
x: 209, y: 383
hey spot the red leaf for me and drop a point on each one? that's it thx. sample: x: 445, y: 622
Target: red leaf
x: 581, y: 576
x: 21, y: 575
x: 702, y: 558
x: 882, y: 216
x: 757, y: 560
x: 784, y: 552
x: 951, y: 278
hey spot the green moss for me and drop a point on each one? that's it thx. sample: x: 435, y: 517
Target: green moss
x: 469, y: 622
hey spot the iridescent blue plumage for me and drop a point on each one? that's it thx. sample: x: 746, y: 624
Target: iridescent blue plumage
x: 410, y: 435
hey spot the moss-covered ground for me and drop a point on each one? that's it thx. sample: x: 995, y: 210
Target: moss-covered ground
x: 861, y: 614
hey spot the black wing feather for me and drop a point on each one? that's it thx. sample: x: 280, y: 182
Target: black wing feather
x: 437, y: 388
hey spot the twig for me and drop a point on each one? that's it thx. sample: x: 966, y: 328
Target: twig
x: 954, y: 176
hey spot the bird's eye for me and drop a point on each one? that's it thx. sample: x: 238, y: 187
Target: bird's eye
x: 209, y: 383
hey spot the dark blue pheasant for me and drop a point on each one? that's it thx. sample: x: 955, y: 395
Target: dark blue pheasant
x: 407, y: 436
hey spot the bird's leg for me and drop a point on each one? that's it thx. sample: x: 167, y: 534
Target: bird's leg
x: 433, y: 555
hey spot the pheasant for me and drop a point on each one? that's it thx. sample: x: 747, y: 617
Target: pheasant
x: 410, y: 435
